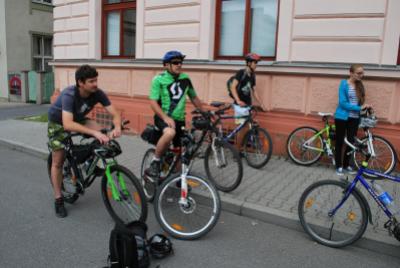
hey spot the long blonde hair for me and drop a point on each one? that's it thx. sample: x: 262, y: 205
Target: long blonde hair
x: 360, y: 89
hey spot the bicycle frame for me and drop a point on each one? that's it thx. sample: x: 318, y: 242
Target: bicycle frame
x: 87, y: 180
x: 248, y: 119
x: 327, y: 140
x: 371, y: 150
x: 362, y: 180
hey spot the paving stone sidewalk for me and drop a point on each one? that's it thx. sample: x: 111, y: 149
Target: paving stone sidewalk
x: 269, y: 194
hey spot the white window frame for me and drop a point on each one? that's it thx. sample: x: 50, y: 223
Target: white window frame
x: 42, y: 57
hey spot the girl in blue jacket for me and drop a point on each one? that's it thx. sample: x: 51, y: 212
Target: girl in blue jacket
x: 347, y: 115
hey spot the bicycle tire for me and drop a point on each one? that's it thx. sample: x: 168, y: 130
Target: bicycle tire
x: 312, y: 224
x: 133, y: 205
x: 253, y: 137
x: 293, y: 143
x: 69, y: 198
x: 375, y: 163
x: 149, y: 188
x: 203, y: 197
x: 228, y: 175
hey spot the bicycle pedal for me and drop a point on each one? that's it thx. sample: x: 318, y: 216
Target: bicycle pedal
x: 148, y: 179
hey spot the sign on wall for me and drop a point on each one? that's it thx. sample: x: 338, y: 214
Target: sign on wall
x: 14, y: 84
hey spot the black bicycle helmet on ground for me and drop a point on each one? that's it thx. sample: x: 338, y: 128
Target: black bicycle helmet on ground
x: 160, y: 246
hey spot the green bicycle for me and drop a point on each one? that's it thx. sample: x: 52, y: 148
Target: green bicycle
x: 122, y: 192
x: 306, y: 145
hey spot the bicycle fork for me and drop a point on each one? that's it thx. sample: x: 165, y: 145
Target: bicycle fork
x: 219, y: 154
x: 116, y: 188
x: 184, y: 186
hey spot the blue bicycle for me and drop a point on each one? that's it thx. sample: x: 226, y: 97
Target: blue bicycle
x: 336, y: 213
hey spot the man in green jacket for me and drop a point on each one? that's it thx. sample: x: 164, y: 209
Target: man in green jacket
x: 168, y: 101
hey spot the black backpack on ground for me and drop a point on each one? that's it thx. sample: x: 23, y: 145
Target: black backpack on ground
x: 128, y: 246
x: 230, y: 80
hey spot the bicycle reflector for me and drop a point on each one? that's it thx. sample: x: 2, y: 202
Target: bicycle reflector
x: 364, y: 164
x: 351, y: 216
x: 309, y: 202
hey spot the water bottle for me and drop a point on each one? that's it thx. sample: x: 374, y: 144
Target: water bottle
x: 386, y: 199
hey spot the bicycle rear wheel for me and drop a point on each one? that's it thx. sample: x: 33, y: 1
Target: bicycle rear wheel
x: 223, y: 165
x: 131, y: 204
x: 149, y: 187
x: 257, y: 147
x: 69, y: 194
x: 194, y: 220
x: 385, y: 156
x: 296, y: 146
x: 343, y: 228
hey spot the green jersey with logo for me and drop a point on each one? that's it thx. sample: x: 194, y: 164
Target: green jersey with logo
x: 170, y: 92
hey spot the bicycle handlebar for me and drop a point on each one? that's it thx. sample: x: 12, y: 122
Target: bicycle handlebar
x: 103, y: 130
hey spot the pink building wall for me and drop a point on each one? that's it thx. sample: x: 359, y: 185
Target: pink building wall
x: 291, y: 100
x: 321, y: 32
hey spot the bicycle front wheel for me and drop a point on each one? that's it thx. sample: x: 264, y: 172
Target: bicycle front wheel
x: 302, y: 149
x: 194, y: 219
x: 385, y: 157
x: 257, y: 147
x: 149, y: 187
x: 223, y: 165
x: 128, y: 204
x: 342, y: 228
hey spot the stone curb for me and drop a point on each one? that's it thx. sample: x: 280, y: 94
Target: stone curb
x: 42, y: 154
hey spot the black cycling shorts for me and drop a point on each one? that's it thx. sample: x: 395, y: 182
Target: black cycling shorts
x: 160, y: 124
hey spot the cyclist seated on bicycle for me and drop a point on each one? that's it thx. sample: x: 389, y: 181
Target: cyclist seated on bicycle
x: 168, y: 101
x: 242, y: 89
x: 68, y: 114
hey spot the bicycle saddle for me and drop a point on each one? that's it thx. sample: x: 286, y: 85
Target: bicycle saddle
x: 324, y: 114
x: 217, y: 104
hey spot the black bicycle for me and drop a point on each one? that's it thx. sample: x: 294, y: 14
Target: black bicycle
x: 122, y: 193
x: 222, y: 161
x: 256, y: 146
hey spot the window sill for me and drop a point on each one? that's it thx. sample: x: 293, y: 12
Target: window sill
x: 324, y: 69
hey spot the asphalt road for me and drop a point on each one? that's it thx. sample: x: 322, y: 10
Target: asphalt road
x: 31, y: 236
x: 9, y: 110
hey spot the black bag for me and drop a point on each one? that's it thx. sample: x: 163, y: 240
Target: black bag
x: 128, y: 246
x: 81, y: 152
x: 151, y: 134
x: 230, y: 80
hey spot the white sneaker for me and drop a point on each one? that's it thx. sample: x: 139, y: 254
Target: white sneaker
x: 351, y: 171
x: 339, y: 171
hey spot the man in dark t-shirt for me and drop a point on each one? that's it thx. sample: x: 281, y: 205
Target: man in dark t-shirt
x: 242, y: 88
x: 68, y: 113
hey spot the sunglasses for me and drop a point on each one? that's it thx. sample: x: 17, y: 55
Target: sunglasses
x: 360, y: 73
x: 176, y: 62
